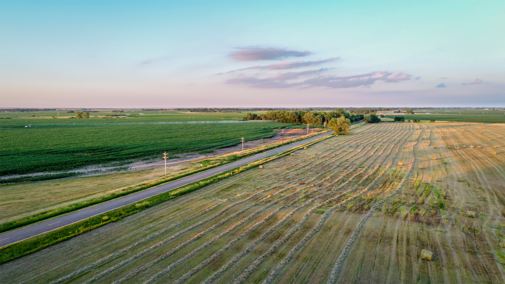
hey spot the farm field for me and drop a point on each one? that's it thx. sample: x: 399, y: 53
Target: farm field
x: 456, y: 115
x: 61, y: 147
x: 357, y: 208
x: 45, y: 116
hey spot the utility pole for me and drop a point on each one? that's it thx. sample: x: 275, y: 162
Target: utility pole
x: 282, y: 135
x: 242, y: 143
x: 165, y: 157
x: 308, y: 129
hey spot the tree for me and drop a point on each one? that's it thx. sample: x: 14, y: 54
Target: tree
x: 251, y: 116
x: 374, y: 118
x: 367, y: 119
x: 80, y: 114
x: 432, y: 120
x: 409, y: 111
x: 308, y: 118
x: 399, y: 118
x: 340, y: 125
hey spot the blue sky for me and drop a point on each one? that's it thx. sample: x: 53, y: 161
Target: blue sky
x: 251, y: 53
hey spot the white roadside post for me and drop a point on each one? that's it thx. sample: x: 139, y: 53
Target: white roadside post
x: 308, y: 129
x: 242, y: 143
x: 165, y: 157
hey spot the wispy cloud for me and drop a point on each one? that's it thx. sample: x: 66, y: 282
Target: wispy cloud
x: 286, y: 65
x: 441, y: 85
x: 417, y: 78
x: 356, y: 80
x: 153, y: 61
x: 278, y: 81
x: 255, y: 53
x: 476, y: 82
x: 284, y: 80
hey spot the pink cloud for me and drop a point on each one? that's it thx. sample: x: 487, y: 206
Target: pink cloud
x: 288, y: 65
x: 255, y: 53
x: 278, y: 81
x: 476, y: 82
x: 284, y: 80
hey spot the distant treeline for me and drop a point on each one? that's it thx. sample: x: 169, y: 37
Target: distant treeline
x: 26, y: 109
x: 368, y: 110
x: 212, y: 110
x: 304, y: 117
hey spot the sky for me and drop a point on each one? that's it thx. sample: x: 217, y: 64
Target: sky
x: 252, y: 53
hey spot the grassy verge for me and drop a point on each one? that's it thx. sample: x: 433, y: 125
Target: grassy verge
x: 206, y: 165
x: 36, y: 243
x: 38, y: 178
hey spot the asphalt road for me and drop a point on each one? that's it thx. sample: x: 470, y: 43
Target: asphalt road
x: 58, y: 222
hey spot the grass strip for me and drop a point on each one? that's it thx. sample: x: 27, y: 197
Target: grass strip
x: 39, y: 242
x: 206, y: 165
x: 39, y: 177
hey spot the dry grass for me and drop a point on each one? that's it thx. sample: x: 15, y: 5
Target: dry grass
x: 17, y: 200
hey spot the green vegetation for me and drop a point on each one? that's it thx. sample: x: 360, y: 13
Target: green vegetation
x: 458, y: 115
x: 340, y: 125
x: 305, y: 117
x: 372, y: 118
x: 81, y: 114
x: 58, y: 147
x: 399, y: 118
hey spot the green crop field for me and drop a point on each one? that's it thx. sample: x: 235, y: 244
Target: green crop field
x: 21, y: 119
x: 64, y: 144
x: 457, y: 115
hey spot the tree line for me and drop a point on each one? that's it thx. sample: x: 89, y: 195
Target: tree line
x: 305, y: 117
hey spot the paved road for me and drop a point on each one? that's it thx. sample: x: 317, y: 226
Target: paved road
x: 55, y: 223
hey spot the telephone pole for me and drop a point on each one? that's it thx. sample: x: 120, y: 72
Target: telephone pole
x: 165, y: 157
x: 242, y: 143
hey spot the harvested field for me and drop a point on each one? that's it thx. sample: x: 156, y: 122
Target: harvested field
x: 351, y: 209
